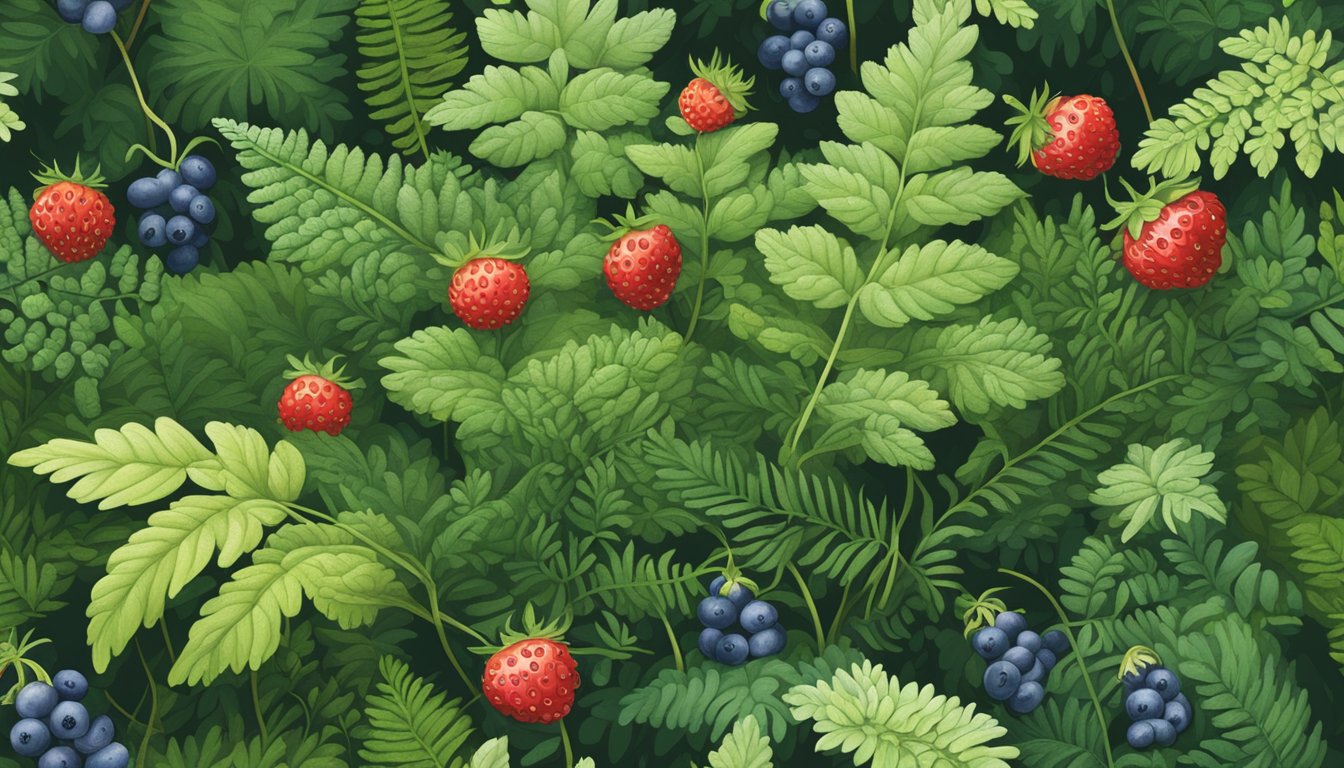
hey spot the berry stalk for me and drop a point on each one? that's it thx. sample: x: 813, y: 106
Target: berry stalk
x: 704, y: 244
x: 144, y: 105
x: 853, y: 37
x: 1129, y: 60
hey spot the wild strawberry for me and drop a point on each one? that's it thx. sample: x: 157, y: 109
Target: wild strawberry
x: 1068, y: 137
x: 644, y: 262
x: 318, y: 397
x: 489, y: 293
x: 70, y: 216
x: 716, y: 97
x: 1173, y: 235
x: 532, y: 680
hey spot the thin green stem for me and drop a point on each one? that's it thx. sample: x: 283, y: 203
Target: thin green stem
x: 406, y: 85
x: 139, y: 20
x: 38, y: 276
x: 853, y: 37
x: 167, y: 641
x: 443, y: 642
x: 825, y: 374
x: 131, y: 718
x: 1078, y: 653
x: 704, y: 243
x: 153, y: 706
x: 256, y: 709
x: 672, y: 639
x: 1129, y: 60
x: 811, y: 606
x: 839, y: 615
x: 569, y: 750
x: 144, y: 105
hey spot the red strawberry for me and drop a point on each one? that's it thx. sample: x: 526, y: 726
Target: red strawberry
x: 532, y: 680
x: 1068, y: 137
x: 642, y: 267
x: 716, y: 97
x: 489, y: 293
x: 70, y: 216
x: 1173, y: 235
x: 317, y: 399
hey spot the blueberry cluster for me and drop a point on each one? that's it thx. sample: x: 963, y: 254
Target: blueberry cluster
x: 732, y: 603
x: 56, y: 729
x: 183, y: 226
x: 97, y: 17
x: 805, y: 53
x: 1156, y: 706
x: 1020, y: 661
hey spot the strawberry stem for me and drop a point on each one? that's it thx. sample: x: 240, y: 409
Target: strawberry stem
x: 569, y: 750
x: 1129, y: 60
x: 853, y: 37
x: 704, y: 244
x: 144, y: 106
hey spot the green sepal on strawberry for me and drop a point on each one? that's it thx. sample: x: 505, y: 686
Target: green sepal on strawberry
x: 488, y: 289
x: 70, y: 215
x: 1067, y: 137
x: 644, y: 261
x: 317, y: 397
x: 532, y: 676
x: 716, y: 97
x: 1173, y: 234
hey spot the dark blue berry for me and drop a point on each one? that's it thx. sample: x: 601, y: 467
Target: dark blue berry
x: 1002, y: 680
x: 780, y: 15
x: 772, y: 50
x: 146, y: 193
x: 1028, y: 697
x: 1165, y: 682
x: 181, y: 196
x: 1029, y: 640
x: 70, y: 685
x: 201, y: 239
x: 767, y: 642
x: 758, y: 615
x: 37, y: 699
x: 732, y: 650
x: 69, y: 720
x: 804, y: 102
x: 1164, y: 732
x: 1020, y: 658
x: 1134, y: 681
x: 1143, y: 704
x: 717, y: 612
x: 1011, y: 623
x: 182, y: 259
x: 99, y: 18
x: 716, y: 585
x: 198, y: 172
x: 113, y: 755
x: 201, y: 210
x: 180, y: 230
x: 170, y: 179
x: 989, y: 642
x: 73, y: 10
x: 29, y: 737
x: 1141, y: 735
x: 799, y: 40
x: 819, y: 54
x: 819, y: 82
x: 834, y: 32
x: 794, y: 63
x: 153, y: 230
x: 790, y: 86
x: 101, y: 732
x: 59, y: 757
x: 1037, y: 674
x: 1178, y: 712
x: 1056, y: 641
x: 809, y: 13
x: 1047, y: 658
x: 709, y: 641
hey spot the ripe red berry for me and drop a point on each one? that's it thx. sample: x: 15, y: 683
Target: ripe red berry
x: 1183, y: 247
x: 642, y: 267
x: 71, y: 217
x: 318, y: 399
x: 716, y: 97
x: 489, y: 292
x: 1067, y: 137
x: 532, y: 681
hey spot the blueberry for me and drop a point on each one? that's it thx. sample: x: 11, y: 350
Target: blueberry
x: 100, y: 17
x: 29, y: 737
x: 1143, y: 704
x: 1028, y: 697
x: 1177, y: 712
x: 73, y: 10
x: 146, y: 193
x: 1164, y: 732
x: 833, y: 31
x: 717, y: 612
x: 182, y: 259
x: 1047, y: 658
x: 1037, y: 674
x: 732, y: 650
x: 767, y: 642
x: 1165, y: 682
x: 989, y: 642
x: 819, y: 54
x: 772, y: 51
x: 709, y: 641
x: 198, y: 172
x: 819, y: 82
x: 70, y: 685
x: 716, y: 585
x: 1011, y: 623
x: 804, y: 102
x: 37, y: 699
x: 201, y: 239
x: 794, y: 63
x: 790, y: 87
x: 758, y: 615
x: 799, y: 40
x: 181, y: 196
x: 59, y: 757
x: 780, y: 15
x: 180, y: 230
x: 112, y: 756
x: 1029, y: 640
x: 1002, y: 680
x: 69, y: 720
x: 153, y: 230
x: 1055, y: 641
x: 170, y: 179
x: 1141, y: 735
x: 101, y: 732
x: 809, y: 13
x: 1134, y: 681
x: 1020, y: 658
x: 201, y: 210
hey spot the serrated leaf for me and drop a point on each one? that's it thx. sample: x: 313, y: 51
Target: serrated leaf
x: 811, y: 264
x: 410, y: 725
x: 533, y: 136
x: 931, y: 280
x: 1166, y: 479
x: 744, y: 747
x: 1003, y: 364
x: 603, y: 99
x: 443, y: 373
x: 497, y: 95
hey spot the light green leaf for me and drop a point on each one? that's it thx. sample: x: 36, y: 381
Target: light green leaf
x: 811, y: 264
x: 933, y: 279
x: 601, y: 167
x: 727, y: 154
x: 410, y: 725
x: 674, y: 164
x: 862, y: 393
x: 497, y: 95
x: 492, y: 754
x: 744, y: 747
x: 633, y: 42
x: 531, y: 137
x: 1003, y: 363
x: 250, y: 469
x: 127, y: 466
x: 604, y: 99
x: 800, y: 339
x: 443, y: 373
x: 851, y: 199
x: 942, y: 146
x: 959, y: 196
x: 1166, y: 479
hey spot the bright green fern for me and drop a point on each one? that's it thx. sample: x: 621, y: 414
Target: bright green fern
x: 410, y: 725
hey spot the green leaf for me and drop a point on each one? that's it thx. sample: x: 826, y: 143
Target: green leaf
x: 604, y: 99
x: 933, y: 279
x: 533, y: 136
x: 959, y: 196
x: 443, y: 373
x: 411, y: 725
x: 250, y: 470
x: 744, y: 747
x: 882, y: 406
x: 811, y: 264
x: 125, y: 467
x: 802, y: 340
x: 727, y: 154
x: 497, y: 95
x: 634, y: 41
x: 675, y: 165
x: 993, y: 364
x: 601, y: 167
x: 1166, y: 479
x: 851, y: 199
x: 492, y: 754
x: 47, y: 54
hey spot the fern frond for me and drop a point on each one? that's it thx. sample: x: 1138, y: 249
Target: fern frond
x: 1257, y: 593
x: 411, y: 55
x: 410, y: 725
x: 744, y: 747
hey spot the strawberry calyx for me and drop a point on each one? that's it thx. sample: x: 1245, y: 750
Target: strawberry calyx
x: 1144, y: 207
x: 981, y: 611
x: 623, y: 224
x: 727, y: 78
x: 1031, y: 131
x: 327, y: 370
x: 508, y: 246
x: 51, y: 175
x: 533, y: 629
